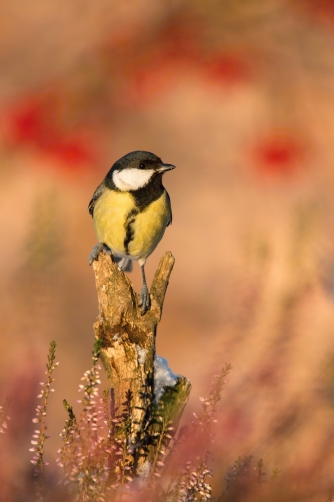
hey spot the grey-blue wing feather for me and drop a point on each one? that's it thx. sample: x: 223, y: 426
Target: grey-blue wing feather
x: 170, y: 209
x: 97, y: 194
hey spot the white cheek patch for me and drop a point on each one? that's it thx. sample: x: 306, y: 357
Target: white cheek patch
x: 132, y: 179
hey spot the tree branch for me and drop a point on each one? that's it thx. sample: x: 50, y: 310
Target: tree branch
x: 127, y: 341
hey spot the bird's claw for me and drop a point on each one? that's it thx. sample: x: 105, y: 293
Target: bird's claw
x: 144, y: 300
x: 94, y: 254
x: 97, y: 249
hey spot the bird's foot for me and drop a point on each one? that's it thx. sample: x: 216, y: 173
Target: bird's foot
x: 97, y: 249
x: 144, y: 300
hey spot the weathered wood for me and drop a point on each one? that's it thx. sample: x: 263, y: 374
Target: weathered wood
x: 128, y: 354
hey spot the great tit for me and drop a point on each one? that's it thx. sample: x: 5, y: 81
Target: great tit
x: 131, y: 210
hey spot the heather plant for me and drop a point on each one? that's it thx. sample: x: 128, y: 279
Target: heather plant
x: 4, y: 418
x: 83, y: 455
x: 192, y: 482
x: 40, y: 436
x: 243, y: 479
x: 98, y: 457
x: 103, y: 466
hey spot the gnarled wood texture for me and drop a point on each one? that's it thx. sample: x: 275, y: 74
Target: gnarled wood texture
x: 128, y: 353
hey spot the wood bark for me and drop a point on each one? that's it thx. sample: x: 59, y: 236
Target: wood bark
x: 128, y: 342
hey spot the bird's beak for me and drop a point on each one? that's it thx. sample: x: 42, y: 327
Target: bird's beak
x: 165, y: 167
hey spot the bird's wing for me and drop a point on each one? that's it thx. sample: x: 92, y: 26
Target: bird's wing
x: 170, y: 209
x: 98, y: 192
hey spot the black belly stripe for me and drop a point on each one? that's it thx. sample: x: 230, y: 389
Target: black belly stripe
x: 129, y: 230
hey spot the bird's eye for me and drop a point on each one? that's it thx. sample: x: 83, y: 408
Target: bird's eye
x: 142, y: 165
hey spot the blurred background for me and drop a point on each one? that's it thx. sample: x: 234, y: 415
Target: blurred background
x: 239, y: 95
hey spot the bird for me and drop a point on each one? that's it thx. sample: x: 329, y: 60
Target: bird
x: 131, y: 210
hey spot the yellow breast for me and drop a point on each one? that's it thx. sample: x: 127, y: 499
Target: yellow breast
x: 149, y: 227
x: 110, y: 213
x: 126, y: 230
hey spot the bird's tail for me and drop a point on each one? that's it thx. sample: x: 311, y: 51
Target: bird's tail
x: 124, y: 264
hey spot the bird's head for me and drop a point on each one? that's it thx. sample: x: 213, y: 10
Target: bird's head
x: 136, y: 169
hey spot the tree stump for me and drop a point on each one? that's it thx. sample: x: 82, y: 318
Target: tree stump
x: 138, y: 379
